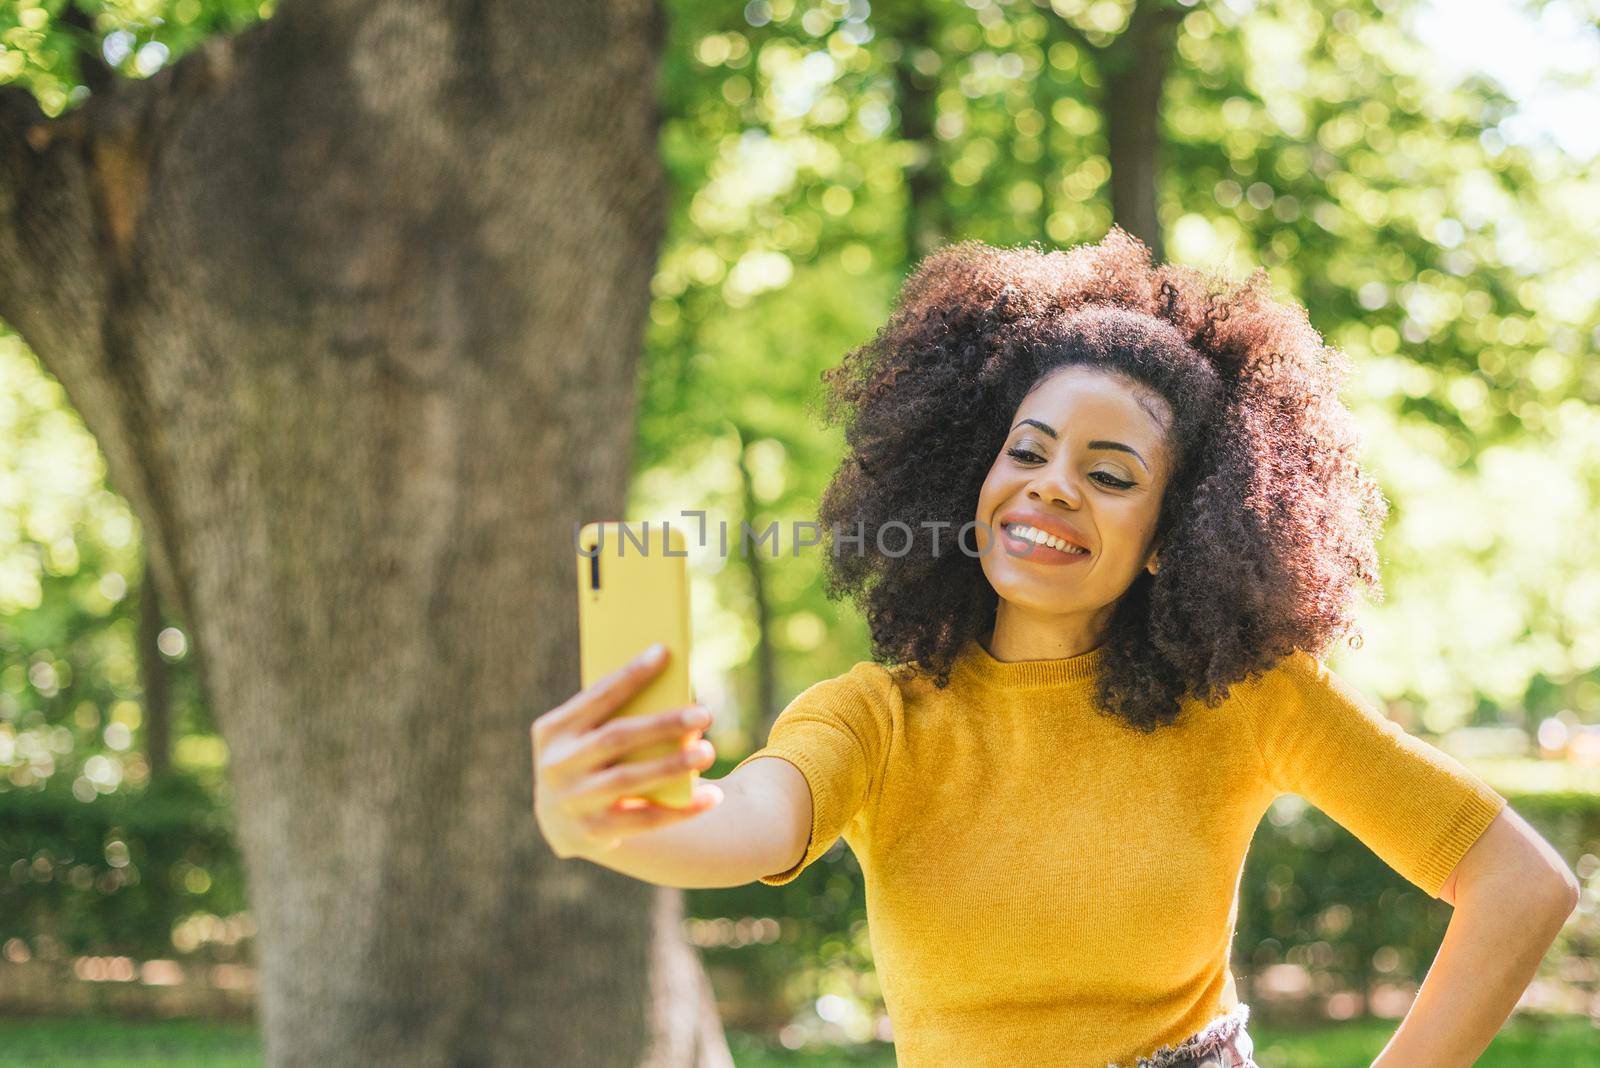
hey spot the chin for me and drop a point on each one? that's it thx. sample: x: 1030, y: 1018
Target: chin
x: 1031, y: 596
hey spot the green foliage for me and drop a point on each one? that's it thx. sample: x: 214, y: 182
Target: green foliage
x: 120, y: 874
x: 1313, y: 895
x: 70, y: 567
x: 48, y: 44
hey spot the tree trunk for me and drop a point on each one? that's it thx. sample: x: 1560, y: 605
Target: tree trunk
x: 1134, y: 68
x: 912, y: 26
x: 155, y: 679
x: 352, y: 303
x: 766, y: 703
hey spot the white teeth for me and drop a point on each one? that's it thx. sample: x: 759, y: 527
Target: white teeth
x: 1039, y: 537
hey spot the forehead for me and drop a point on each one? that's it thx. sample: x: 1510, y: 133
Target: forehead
x: 1081, y: 397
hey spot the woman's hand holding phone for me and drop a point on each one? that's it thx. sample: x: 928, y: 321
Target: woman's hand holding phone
x: 585, y: 802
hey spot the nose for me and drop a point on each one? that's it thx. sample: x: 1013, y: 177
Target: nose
x: 1054, y: 487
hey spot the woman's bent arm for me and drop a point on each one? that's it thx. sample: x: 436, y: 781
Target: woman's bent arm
x: 761, y: 826
x: 1512, y: 894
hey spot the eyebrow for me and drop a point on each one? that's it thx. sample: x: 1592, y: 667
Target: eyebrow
x: 1119, y: 446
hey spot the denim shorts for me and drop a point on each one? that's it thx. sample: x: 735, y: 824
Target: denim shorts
x: 1223, y: 1044
x: 1236, y: 1051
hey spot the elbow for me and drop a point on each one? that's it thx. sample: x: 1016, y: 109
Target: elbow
x: 1566, y: 890
x: 1546, y: 891
x: 1554, y: 887
x: 1511, y: 865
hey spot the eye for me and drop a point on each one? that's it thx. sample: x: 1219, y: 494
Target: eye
x: 1105, y: 478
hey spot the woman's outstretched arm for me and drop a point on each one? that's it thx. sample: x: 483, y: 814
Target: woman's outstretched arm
x: 760, y: 827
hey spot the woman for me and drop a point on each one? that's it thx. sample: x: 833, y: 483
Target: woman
x: 1106, y: 517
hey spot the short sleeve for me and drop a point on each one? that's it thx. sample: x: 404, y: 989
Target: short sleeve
x: 1411, y: 803
x: 837, y: 734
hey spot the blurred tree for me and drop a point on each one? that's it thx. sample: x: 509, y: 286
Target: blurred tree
x: 155, y: 679
x: 766, y: 703
x: 909, y: 29
x: 1134, y: 69
x: 351, y: 302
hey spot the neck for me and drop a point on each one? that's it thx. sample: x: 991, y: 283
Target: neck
x: 979, y: 666
x: 1022, y: 635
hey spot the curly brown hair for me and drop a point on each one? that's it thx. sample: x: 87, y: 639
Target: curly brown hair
x: 1266, y: 526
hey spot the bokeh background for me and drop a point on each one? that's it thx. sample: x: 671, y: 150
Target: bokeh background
x: 1421, y: 175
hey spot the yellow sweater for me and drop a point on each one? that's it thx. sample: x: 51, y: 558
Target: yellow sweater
x: 1046, y: 886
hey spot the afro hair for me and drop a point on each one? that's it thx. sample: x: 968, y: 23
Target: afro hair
x: 1267, y: 524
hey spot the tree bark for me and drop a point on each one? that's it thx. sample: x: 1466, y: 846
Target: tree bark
x: 913, y: 27
x: 1134, y: 68
x: 352, y: 303
x: 155, y: 679
x: 766, y: 702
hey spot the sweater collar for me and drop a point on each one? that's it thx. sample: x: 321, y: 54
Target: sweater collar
x: 976, y: 662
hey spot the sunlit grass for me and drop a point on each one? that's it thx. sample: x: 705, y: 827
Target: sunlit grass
x: 107, y: 1043
x: 1525, y: 1043
x: 100, y: 1042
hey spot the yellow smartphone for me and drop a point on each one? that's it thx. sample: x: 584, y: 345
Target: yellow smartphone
x: 633, y: 591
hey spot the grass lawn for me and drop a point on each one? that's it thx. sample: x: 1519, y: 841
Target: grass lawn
x: 1525, y: 1043
x: 98, y: 1042
x: 107, y: 1042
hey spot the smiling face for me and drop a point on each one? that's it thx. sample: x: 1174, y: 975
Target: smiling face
x: 1086, y: 459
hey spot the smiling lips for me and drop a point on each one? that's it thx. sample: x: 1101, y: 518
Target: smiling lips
x: 1033, y: 544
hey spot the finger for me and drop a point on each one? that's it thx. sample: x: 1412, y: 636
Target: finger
x: 627, y: 780
x: 621, y: 819
x: 616, y: 739
x: 594, y: 703
x: 613, y: 742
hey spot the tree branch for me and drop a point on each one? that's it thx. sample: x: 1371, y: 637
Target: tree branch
x: 73, y: 190
x: 92, y: 67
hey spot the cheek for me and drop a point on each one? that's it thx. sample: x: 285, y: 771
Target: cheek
x: 994, y: 492
x: 1130, y: 526
x: 990, y: 493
